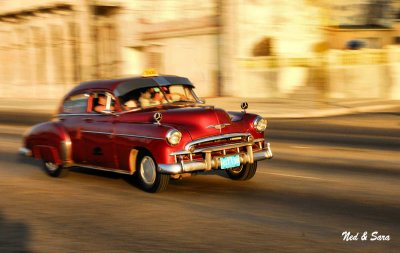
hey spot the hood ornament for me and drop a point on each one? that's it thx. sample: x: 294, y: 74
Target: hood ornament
x: 219, y: 126
x: 244, y: 106
x: 157, y: 117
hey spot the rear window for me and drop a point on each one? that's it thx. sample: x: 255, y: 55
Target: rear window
x: 76, y: 104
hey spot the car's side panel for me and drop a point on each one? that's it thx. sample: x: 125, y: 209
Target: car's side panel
x: 73, y: 125
x: 97, y: 134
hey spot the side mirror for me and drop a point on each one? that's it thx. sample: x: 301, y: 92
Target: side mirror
x: 202, y: 101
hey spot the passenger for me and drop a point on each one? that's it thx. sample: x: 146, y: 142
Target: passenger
x: 158, y: 96
x: 130, y: 104
x: 101, y: 103
x: 146, y: 100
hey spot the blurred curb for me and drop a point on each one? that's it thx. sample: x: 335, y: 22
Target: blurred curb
x: 23, y: 118
x: 338, y: 112
x: 36, y: 111
x: 282, y: 108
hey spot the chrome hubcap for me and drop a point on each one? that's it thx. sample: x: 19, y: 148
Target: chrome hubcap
x: 148, y: 170
x: 51, y: 166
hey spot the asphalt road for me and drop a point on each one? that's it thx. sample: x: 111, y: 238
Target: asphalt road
x: 328, y: 176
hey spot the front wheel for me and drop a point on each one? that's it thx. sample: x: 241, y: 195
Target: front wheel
x: 243, y: 172
x: 54, y: 170
x: 149, y: 178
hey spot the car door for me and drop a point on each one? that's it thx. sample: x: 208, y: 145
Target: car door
x: 73, y: 111
x: 98, y: 133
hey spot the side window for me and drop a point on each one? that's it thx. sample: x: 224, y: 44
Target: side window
x: 76, y: 104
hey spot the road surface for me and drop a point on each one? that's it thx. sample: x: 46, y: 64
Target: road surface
x: 328, y: 177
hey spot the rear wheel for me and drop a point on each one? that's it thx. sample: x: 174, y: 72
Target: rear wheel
x: 243, y: 172
x: 148, y: 177
x: 54, y: 170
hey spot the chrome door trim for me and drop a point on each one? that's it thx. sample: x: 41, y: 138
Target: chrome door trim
x: 128, y: 135
x: 102, y: 169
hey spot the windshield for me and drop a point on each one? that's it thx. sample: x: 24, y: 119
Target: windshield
x: 178, y: 93
x: 153, y: 96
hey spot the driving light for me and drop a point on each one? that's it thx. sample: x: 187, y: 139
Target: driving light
x: 173, y: 137
x: 260, y: 124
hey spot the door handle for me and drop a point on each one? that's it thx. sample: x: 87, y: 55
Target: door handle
x: 89, y: 120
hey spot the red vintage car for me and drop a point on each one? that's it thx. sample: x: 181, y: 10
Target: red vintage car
x: 152, y: 127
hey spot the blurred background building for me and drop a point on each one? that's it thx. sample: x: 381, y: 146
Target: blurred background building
x: 243, y: 48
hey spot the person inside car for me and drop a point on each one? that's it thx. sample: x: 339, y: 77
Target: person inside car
x: 130, y: 104
x: 146, y: 99
x: 157, y: 95
x: 102, y: 104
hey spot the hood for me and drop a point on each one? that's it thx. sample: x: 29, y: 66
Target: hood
x: 199, y: 122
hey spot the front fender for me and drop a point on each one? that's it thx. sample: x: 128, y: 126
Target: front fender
x: 149, y: 137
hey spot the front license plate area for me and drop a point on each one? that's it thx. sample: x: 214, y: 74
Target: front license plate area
x: 230, y: 162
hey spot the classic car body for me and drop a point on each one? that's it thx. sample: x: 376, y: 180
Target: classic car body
x: 173, y: 136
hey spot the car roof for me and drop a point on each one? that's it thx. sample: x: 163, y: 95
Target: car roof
x: 124, y: 85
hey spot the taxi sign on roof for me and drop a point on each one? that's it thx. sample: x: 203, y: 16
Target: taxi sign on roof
x: 149, y: 72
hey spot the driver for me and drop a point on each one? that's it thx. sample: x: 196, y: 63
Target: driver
x: 146, y: 99
x: 102, y: 104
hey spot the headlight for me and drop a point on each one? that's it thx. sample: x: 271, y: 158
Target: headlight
x: 173, y: 136
x: 260, y: 124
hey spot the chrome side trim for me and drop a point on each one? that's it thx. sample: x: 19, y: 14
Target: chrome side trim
x: 66, y: 152
x: 25, y: 151
x: 102, y: 169
x: 78, y: 114
x: 214, y: 138
x: 141, y: 136
x: 128, y: 135
x: 96, y: 132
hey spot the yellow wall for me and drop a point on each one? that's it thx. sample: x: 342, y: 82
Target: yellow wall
x: 338, y: 38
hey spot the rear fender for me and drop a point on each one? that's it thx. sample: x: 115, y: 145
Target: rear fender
x: 46, y: 153
x: 50, y: 141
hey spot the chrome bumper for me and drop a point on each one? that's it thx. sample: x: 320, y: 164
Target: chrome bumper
x: 214, y: 163
x: 24, y: 151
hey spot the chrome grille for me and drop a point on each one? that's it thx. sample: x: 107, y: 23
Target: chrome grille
x: 217, y: 140
x: 218, y: 146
